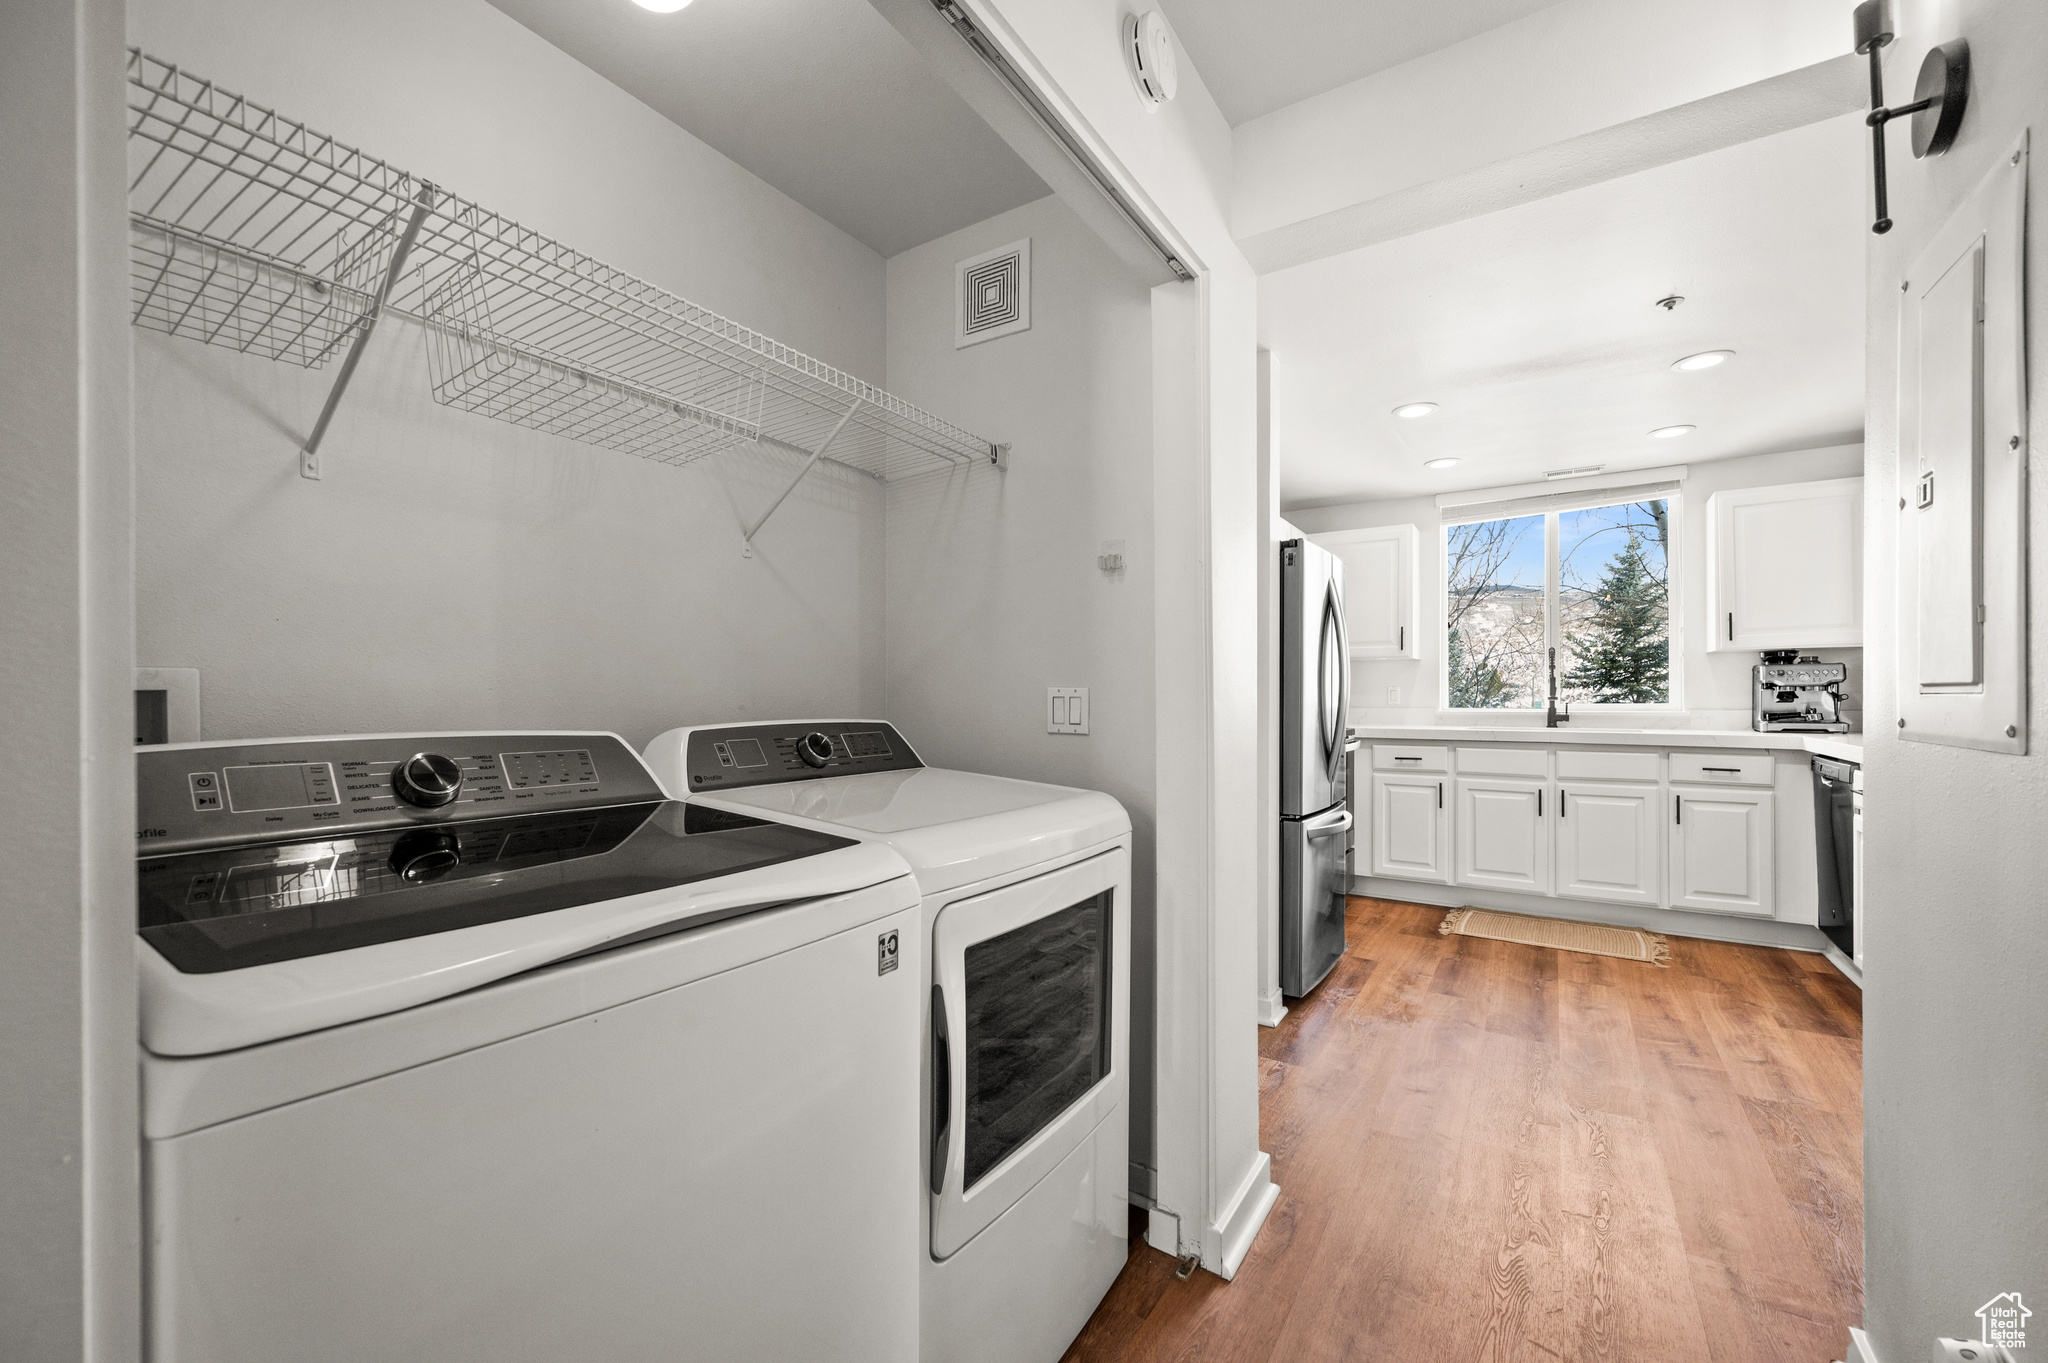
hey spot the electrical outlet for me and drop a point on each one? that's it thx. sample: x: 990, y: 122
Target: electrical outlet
x: 1066, y: 709
x: 1109, y: 556
x: 1393, y: 695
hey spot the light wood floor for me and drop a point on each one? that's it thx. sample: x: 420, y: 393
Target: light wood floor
x: 1491, y: 1152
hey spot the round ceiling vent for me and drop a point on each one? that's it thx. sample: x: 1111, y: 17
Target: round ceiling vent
x: 1148, y: 49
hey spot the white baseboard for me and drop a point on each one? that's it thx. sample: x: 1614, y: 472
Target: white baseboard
x: 1239, y: 1225
x: 1712, y: 927
x: 1850, y: 970
x: 1859, y: 1347
x: 1271, y: 1009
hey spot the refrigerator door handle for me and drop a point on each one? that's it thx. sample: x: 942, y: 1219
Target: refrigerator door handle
x: 1318, y: 831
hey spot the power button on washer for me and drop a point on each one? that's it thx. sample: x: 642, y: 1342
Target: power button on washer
x: 205, y: 790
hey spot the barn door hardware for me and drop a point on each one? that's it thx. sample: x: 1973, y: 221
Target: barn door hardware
x: 1940, y: 96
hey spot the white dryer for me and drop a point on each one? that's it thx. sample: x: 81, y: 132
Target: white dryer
x: 1026, y: 943
x: 475, y: 1048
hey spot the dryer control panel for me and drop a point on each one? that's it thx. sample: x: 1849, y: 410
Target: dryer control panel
x: 206, y: 795
x: 726, y: 757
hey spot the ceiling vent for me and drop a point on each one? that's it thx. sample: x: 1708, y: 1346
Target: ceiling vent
x: 992, y: 294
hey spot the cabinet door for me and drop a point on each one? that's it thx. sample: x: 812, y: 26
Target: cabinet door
x: 1787, y: 568
x: 1722, y: 850
x: 1379, y: 589
x: 1502, y: 839
x: 1607, y: 843
x: 1408, y: 828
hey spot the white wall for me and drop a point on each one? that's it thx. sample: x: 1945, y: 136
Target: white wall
x: 1716, y: 685
x: 1955, y: 996
x: 451, y: 571
x: 69, y: 1220
x: 1175, y: 161
x: 993, y: 593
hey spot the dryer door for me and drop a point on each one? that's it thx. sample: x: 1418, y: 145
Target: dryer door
x: 1030, y: 1034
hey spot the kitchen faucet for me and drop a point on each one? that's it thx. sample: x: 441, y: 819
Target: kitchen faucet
x: 1552, y: 716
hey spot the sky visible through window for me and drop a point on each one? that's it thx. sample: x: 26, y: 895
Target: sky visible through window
x: 1612, y: 609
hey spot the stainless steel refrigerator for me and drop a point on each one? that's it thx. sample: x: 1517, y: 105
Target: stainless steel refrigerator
x: 1315, y: 698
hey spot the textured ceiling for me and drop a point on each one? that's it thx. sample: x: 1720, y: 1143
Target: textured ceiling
x: 820, y: 98
x: 1260, y: 55
x: 1535, y: 329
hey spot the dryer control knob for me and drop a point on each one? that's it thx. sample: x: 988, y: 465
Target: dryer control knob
x: 815, y: 749
x: 427, y: 779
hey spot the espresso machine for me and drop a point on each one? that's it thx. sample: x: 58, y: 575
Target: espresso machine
x: 1791, y: 694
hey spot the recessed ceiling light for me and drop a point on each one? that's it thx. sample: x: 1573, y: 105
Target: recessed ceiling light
x: 662, y: 6
x: 1671, y: 432
x: 1706, y: 359
x: 1580, y: 472
x: 1439, y: 463
x: 1411, y: 410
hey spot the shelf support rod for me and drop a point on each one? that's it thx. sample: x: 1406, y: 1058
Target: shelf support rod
x: 816, y: 455
x: 309, y: 453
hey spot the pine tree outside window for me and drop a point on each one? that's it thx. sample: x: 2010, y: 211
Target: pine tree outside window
x: 1593, y: 582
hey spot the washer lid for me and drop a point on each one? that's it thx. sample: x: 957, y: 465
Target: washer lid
x: 953, y: 827
x: 231, y: 908
x: 203, y: 1013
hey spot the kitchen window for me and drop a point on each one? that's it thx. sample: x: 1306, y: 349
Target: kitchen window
x: 1588, y: 575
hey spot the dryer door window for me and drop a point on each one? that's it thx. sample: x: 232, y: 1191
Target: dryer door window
x: 1029, y: 1032
x: 1037, y: 1037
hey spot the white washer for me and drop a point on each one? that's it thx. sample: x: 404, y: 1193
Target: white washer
x: 475, y: 1048
x: 1026, y: 939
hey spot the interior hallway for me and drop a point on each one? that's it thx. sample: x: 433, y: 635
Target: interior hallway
x: 1496, y: 1152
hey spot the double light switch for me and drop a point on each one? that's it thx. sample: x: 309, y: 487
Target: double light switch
x: 1066, y: 709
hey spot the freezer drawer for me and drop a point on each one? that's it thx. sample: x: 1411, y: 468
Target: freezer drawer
x: 1313, y: 884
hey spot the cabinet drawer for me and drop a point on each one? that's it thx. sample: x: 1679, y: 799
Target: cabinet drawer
x: 1409, y: 757
x: 1724, y: 769
x: 1573, y: 764
x: 1503, y: 762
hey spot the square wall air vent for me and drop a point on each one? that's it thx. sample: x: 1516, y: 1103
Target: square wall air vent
x: 992, y: 294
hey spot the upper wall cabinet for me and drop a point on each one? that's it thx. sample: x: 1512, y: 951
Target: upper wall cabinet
x: 1785, y: 567
x: 1379, y: 589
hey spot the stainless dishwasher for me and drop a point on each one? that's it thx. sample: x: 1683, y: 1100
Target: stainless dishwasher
x: 1835, y: 796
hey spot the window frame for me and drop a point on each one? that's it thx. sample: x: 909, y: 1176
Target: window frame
x: 1552, y: 597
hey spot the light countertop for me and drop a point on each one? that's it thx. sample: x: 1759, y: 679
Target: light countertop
x: 1842, y: 747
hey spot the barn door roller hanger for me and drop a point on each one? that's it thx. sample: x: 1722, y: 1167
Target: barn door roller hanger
x: 1940, y: 95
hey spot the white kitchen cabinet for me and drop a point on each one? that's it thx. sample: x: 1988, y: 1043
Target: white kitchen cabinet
x: 1786, y: 566
x: 1379, y: 589
x: 1609, y: 843
x: 1501, y: 835
x: 1409, y: 827
x: 1723, y: 850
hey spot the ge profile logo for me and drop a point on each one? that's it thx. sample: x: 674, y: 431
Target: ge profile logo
x: 885, y: 953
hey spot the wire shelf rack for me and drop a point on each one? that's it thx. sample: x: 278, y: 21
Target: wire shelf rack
x: 251, y: 231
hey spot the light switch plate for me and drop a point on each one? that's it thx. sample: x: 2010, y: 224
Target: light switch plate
x: 1066, y: 709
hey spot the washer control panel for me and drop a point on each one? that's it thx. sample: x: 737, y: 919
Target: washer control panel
x: 206, y: 795
x: 734, y: 755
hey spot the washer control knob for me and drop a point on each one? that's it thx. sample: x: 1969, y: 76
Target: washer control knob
x: 425, y: 854
x: 427, y: 779
x: 815, y: 749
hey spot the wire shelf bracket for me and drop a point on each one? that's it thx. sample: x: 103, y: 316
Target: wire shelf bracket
x: 309, y: 453
x: 250, y: 231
